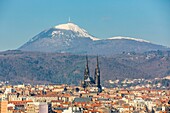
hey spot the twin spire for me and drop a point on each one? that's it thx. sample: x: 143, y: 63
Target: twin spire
x: 89, y: 81
x: 97, y: 65
x: 86, y: 71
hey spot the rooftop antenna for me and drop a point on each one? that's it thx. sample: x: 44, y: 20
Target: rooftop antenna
x: 69, y: 20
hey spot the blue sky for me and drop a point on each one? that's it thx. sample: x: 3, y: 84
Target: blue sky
x: 20, y: 20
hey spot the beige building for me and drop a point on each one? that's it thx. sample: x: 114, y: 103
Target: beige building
x: 37, y: 107
x: 3, y: 106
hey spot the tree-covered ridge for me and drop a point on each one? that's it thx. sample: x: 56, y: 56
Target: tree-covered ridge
x: 36, y: 67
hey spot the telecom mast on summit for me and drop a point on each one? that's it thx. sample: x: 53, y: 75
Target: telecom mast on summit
x: 69, y: 20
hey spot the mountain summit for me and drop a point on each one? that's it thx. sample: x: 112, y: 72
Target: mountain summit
x: 76, y: 29
x: 70, y: 38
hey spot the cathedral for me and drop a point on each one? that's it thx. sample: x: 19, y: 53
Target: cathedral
x: 93, y: 84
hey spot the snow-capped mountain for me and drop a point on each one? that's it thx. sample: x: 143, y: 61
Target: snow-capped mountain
x: 70, y: 38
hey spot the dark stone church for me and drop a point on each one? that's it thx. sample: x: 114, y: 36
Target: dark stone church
x: 92, y: 84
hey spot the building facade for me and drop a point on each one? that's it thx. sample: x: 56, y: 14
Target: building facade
x: 3, y: 106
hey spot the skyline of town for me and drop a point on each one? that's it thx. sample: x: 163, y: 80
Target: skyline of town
x: 84, y: 56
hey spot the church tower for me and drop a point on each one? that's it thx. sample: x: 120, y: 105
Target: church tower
x: 86, y: 71
x: 97, y: 76
x: 89, y: 83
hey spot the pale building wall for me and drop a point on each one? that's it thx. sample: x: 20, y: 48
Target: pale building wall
x: 3, y: 106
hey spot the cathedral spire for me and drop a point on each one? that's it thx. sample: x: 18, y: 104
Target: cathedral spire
x: 89, y: 82
x: 87, y: 62
x: 97, y: 76
x: 97, y: 66
x: 96, y: 70
x: 86, y: 71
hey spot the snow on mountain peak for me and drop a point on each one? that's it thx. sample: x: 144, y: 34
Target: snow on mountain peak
x: 129, y: 38
x: 75, y: 28
x: 70, y: 26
